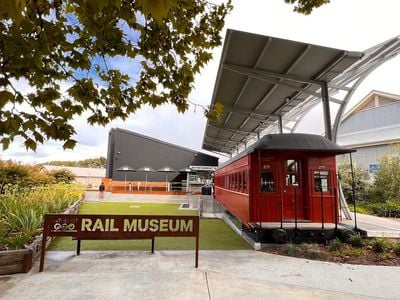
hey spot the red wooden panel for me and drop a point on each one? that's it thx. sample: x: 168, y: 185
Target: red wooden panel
x: 236, y: 203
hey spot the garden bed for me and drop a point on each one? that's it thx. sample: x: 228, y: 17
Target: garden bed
x: 383, y: 252
x: 21, y: 260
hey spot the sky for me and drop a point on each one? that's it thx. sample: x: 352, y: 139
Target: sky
x: 354, y: 25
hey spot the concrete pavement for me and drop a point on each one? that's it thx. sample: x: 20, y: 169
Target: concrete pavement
x: 372, y: 226
x: 221, y: 275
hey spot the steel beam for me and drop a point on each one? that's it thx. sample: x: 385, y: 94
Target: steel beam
x: 326, y: 110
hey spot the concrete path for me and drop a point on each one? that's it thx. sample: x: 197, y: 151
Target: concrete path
x: 372, y: 226
x: 221, y: 275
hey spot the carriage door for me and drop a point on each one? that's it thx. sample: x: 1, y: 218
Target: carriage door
x: 292, y: 191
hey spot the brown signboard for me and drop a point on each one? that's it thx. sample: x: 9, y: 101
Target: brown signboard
x: 110, y: 227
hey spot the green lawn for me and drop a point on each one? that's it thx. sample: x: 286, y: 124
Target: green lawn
x: 132, y: 208
x: 214, y: 233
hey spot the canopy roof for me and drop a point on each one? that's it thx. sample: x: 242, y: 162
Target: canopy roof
x: 295, y: 142
x: 267, y: 85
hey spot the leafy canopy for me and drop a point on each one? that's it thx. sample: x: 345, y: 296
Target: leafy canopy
x: 306, y: 6
x: 48, y: 43
x: 387, y: 178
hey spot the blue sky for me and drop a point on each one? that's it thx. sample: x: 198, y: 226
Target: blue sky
x: 346, y: 24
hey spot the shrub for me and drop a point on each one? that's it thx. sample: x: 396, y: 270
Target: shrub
x: 350, y: 251
x: 356, y: 241
x: 336, y: 245
x: 396, y: 249
x: 381, y: 245
x: 292, y: 250
x: 311, y: 252
x: 389, y: 209
x: 62, y: 176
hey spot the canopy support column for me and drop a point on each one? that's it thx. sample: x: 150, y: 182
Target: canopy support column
x: 280, y: 125
x: 326, y: 110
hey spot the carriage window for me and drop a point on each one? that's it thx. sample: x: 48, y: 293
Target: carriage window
x: 245, y: 182
x: 267, y: 183
x: 321, y: 181
x: 292, y: 173
x: 240, y: 181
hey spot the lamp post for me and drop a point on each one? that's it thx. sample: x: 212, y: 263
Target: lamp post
x: 126, y: 169
x: 146, y: 169
x: 166, y: 170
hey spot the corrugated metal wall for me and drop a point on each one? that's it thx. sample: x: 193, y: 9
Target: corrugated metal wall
x: 136, y: 151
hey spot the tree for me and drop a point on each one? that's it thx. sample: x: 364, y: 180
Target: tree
x: 47, y: 43
x: 306, y: 6
x: 387, y: 178
x: 361, y: 181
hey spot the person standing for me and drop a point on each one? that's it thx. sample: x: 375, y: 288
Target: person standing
x: 101, y: 190
x: 130, y: 187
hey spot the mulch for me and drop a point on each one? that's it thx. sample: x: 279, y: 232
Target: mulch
x: 323, y: 253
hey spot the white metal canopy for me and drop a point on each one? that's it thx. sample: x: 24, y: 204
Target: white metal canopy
x: 267, y: 85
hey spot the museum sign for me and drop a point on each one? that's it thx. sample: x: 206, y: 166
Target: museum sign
x: 111, y: 227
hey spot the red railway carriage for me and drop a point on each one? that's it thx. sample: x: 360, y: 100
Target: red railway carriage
x: 282, y: 178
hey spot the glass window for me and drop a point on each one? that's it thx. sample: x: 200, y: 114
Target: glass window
x: 236, y: 181
x: 245, y: 181
x: 321, y: 181
x: 240, y: 181
x: 292, y: 172
x: 267, y: 182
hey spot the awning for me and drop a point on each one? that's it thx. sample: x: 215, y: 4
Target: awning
x: 267, y: 85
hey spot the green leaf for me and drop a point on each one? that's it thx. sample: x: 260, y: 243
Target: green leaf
x: 5, y: 96
x: 5, y: 142
x: 70, y: 144
x: 13, y: 9
x: 165, y: 51
x: 158, y: 9
x: 30, y: 144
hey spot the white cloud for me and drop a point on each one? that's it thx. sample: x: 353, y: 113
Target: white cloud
x: 352, y: 25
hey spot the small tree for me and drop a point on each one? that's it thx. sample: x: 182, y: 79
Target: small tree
x: 361, y: 180
x: 387, y: 179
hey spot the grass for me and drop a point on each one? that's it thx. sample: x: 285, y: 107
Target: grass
x: 214, y: 233
x: 22, y: 210
x: 132, y: 208
x: 349, y: 251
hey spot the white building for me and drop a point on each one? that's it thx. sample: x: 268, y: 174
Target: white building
x: 372, y: 127
x: 86, y: 176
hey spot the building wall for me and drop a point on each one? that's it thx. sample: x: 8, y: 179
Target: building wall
x: 364, y: 129
x: 137, y: 151
x: 367, y: 156
x: 371, y: 119
x: 110, y: 153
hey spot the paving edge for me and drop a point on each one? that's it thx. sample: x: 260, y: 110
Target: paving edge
x: 256, y: 246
